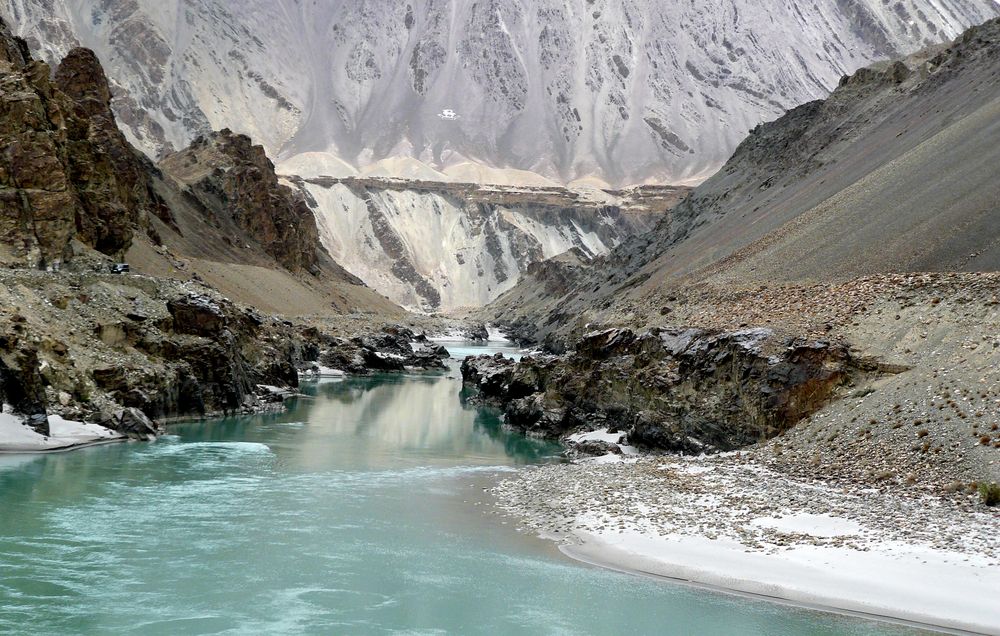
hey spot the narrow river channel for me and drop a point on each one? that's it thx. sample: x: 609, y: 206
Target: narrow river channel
x: 359, y: 511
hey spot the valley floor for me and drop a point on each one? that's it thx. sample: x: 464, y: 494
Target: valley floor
x: 731, y: 522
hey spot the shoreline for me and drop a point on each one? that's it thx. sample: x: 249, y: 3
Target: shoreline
x: 732, y: 526
x: 582, y: 556
x: 604, y: 555
x: 65, y: 449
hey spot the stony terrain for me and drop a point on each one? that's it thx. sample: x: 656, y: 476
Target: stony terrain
x: 808, y: 232
x: 930, y: 411
x: 723, y: 497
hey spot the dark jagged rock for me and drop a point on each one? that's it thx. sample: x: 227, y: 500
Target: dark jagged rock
x: 491, y: 374
x: 393, y: 349
x: 21, y: 384
x: 670, y: 389
x: 234, y: 177
x: 197, y: 315
x: 67, y: 172
x: 135, y: 425
x: 478, y: 333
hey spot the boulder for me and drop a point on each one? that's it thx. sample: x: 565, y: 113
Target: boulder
x: 197, y: 315
x: 478, y: 333
x: 134, y: 424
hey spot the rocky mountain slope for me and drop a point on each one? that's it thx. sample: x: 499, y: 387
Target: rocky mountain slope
x: 437, y: 246
x: 868, y: 222
x: 67, y: 173
x: 227, y: 172
x: 895, y: 172
x: 567, y: 88
x: 83, y: 343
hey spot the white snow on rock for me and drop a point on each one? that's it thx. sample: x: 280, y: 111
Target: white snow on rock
x: 17, y: 437
x: 601, y: 435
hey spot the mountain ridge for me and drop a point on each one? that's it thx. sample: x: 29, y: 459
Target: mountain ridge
x: 892, y: 173
x: 567, y: 89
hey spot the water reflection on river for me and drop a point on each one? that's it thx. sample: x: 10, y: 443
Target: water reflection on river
x: 360, y: 510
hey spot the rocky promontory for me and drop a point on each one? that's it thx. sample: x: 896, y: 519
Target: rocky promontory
x: 681, y: 390
x: 67, y: 174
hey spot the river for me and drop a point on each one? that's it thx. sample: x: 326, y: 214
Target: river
x: 359, y: 511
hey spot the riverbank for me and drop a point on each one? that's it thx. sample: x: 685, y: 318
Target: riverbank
x: 64, y: 435
x: 732, y: 523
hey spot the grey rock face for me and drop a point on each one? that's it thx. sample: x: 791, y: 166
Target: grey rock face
x: 624, y: 90
x: 21, y: 385
x: 134, y: 423
x: 440, y: 246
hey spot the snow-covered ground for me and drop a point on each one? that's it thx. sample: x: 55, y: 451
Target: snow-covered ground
x: 16, y: 437
x: 730, y: 523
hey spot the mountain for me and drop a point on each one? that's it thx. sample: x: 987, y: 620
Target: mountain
x: 85, y: 337
x: 620, y: 91
x: 895, y: 172
x: 827, y: 302
x: 434, y: 246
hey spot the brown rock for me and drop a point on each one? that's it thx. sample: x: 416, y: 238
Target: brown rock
x: 237, y: 182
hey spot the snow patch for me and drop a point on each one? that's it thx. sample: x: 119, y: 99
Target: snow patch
x: 16, y: 436
x: 811, y: 525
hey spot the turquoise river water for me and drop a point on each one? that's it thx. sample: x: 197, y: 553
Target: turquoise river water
x: 359, y: 511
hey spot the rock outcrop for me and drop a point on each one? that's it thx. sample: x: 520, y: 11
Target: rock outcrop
x: 393, y: 349
x: 237, y: 185
x: 683, y: 390
x: 67, y: 171
x: 22, y: 389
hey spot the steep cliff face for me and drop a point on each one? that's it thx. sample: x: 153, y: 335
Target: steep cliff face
x: 568, y: 88
x: 236, y: 184
x: 440, y: 246
x: 67, y: 172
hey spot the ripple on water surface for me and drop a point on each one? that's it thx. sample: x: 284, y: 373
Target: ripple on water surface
x: 356, y: 512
